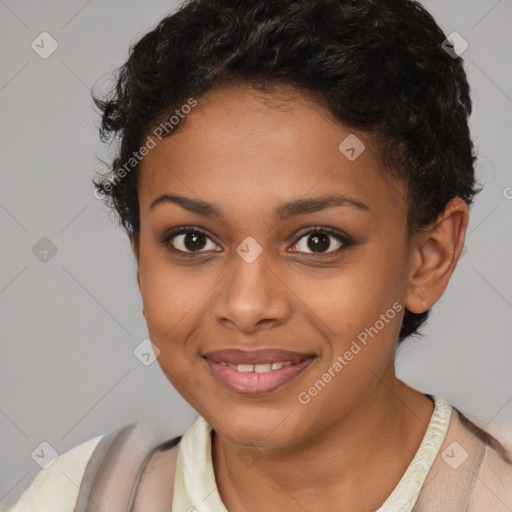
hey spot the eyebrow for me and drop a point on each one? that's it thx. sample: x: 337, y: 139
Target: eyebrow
x: 282, y: 212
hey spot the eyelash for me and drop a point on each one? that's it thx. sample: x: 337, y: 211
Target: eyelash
x: 338, y: 236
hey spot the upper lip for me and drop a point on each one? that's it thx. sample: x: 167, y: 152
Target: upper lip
x: 260, y: 356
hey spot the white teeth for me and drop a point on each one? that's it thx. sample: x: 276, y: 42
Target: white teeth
x: 245, y: 367
x: 258, y: 368
x: 262, y: 368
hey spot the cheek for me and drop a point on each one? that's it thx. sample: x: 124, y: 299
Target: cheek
x: 361, y: 311
x: 354, y: 296
x: 168, y: 294
x: 171, y: 309
x: 174, y: 309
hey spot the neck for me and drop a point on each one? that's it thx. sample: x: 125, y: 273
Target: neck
x: 353, y: 464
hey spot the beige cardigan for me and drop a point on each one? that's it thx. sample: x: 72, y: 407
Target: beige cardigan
x: 458, y: 467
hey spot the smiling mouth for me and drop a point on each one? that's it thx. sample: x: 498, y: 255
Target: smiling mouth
x: 259, y: 368
x: 259, y: 372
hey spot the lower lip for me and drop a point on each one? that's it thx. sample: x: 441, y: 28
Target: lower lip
x: 252, y: 383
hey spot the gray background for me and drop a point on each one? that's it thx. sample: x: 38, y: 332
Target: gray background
x: 69, y: 326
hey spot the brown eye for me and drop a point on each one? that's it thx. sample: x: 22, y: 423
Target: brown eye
x: 188, y: 240
x: 321, y: 241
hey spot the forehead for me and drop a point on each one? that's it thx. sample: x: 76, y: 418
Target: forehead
x: 239, y: 147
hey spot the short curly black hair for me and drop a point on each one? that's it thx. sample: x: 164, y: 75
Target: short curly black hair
x: 378, y: 66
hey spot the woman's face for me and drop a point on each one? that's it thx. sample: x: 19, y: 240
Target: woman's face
x: 267, y: 271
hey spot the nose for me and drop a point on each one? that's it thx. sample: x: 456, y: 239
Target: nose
x: 252, y: 296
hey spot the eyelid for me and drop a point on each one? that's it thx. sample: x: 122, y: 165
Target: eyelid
x: 343, y: 238
x: 166, y: 238
x: 340, y: 235
x: 323, y: 229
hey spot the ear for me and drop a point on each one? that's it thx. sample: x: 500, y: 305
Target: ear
x: 435, y: 254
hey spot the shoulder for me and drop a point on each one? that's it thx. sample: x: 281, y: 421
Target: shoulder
x: 56, y: 487
x: 493, y: 484
x: 112, y: 464
x: 492, y: 481
x: 156, y: 489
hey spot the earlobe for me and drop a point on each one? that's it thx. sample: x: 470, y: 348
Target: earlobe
x: 436, y: 252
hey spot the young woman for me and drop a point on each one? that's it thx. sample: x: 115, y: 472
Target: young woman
x: 295, y: 178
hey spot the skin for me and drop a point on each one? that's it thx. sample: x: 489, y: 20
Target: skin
x: 248, y: 153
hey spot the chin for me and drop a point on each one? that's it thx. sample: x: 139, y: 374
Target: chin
x: 269, y: 429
